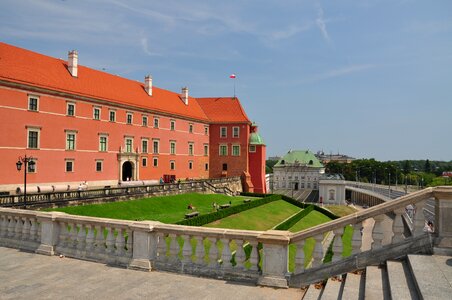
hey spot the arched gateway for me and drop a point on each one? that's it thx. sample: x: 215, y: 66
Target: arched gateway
x: 127, y: 171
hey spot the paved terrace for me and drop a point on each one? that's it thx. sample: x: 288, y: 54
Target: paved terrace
x: 25, y: 275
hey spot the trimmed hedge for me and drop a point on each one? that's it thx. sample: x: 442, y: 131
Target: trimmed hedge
x: 326, y: 212
x: 255, y: 194
x: 294, y: 202
x: 211, y: 217
x: 294, y: 219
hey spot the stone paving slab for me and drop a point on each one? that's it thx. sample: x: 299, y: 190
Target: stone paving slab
x: 25, y: 275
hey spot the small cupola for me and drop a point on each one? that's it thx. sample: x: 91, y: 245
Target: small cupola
x: 148, y: 84
x: 184, y: 95
x: 72, y: 63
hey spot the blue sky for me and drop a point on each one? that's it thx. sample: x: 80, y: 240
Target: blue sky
x: 367, y: 78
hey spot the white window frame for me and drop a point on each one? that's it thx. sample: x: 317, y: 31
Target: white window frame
x: 145, y: 140
x: 235, y: 147
x: 66, y: 161
x: 236, y: 132
x: 206, y: 130
x: 38, y: 131
x: 206, y: 149
x: 225, y: 132
x: 190, y: 165
x: 95, y: 108
x: 172, y: 125
x: 144, y: 162
x: 143, y: 122
x: 173, y: 150
x: 106, y: 142
x: 190, y: 127
x: 74, y: 133
x: 126, y: 139
x: 225, y: 146
x: 155, y: 162
x: 252, y: 148
x: 129, y: 114
x: 110, y: 112
x: 172, y: 165
x: 101, y: 162
x: 67, y: 109
x: 30, y: 97
x: 154, y: 141
x: 156, y: 122
x: 191, y: 148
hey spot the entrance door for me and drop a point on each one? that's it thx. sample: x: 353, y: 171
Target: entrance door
x: 127, y: 171
x: 296, y: 186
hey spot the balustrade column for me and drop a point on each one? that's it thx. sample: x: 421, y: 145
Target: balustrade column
x: 254, y: 256
x: 419, y: 219
x: 89, y: 238
x: 226, y: 255
x: 174, y: 248
x: 357, y: 238
x: 299, y: 257
x: 99, y: 241
x: 397, y: 225
x: 33, y: 229
x: 200, y: 251
x: 240, y: 255
x: 275, y: 246
x: 26, y: 229
x: 187, y: 249
x: 11, y: 226
x: 145, y: 244
x: 161, y: 247
x: 110, y: 241
x: 3, y: 225
x: 119, y: 242
x: 317, y: 254
x: 337, y: 244
x: 377, y: 232
x: 49, y: 231
x: 81, y: 238
x: 213, y: 253
x: 18, y: 228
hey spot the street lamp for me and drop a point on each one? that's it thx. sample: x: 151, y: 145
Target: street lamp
x: 29, y: 164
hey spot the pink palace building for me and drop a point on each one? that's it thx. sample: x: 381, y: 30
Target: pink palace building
x: 80, y: 124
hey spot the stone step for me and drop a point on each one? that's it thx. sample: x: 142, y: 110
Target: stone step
x: 352, y: 287
x: 374, y: 283
x: 312, y: 293
x: 400, y: 281
x: 332, y: 289
x: 431, y: 276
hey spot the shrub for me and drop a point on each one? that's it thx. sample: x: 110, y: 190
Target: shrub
x: 294, y: 219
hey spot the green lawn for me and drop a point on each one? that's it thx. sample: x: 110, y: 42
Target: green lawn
x: 341, y: 210
x: 166, y: 209
x: 260, y: 218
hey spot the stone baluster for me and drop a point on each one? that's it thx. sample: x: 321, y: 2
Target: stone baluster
x: 100, y: 240
x: 161, y: 247
x: 397, y: 225
x: 11, y: 226
x: 213, y: 253
x: 254, y: 256
x: 226, y: 254
x: 186, y: 250
x: 3, y: 225
x: 357, y: 238
x: 299, y: 257
x: 33, y: 229
x: 18, y: 228
x: 419, y: 219
x: 129, y: 243
x: 240, y: 255
x: 317, y: 254
x: 174, y: 248
x: 64, y: 235
x: 119, y: 243
x: 377, y: 232
x: 89, y: 238
x: 38, y: 230
x: 337, y: 244
x: 200, y: 251
x: 26, y: 229
x: 81, y: 238
x: 110, y: 242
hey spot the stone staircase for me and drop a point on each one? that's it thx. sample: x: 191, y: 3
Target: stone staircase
x: 414, y: 277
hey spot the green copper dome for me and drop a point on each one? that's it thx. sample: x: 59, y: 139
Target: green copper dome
x: 256, y: 139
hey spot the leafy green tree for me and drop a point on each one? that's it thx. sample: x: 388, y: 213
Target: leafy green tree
x: 427, y: 167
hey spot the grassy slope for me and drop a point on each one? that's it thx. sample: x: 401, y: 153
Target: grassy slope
x: 341, y: 210
x: 260, y: 218
x: 166, y: 209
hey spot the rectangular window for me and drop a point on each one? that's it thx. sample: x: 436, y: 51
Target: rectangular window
x: 156, y: 122
x: 96, y: 113
x: 223, y: 132
x: 190, y: 128
x: 206, y: 130
x: 129, y: 145
x: 223, y: 150
x: 190, y: 165
x: 172, y: 147
x: 112, y: 116
x: 191, y: 147
x: 69, y: 166
x: 206, y: 150
x: 155, y: 162
x: 235, y: 131
x: 129, y: 118
x: 172, y: 165
x: 206, y: 167
x: 70, y: 109
x: 172, y: 125
x: 103, y: 143
x: 99, y: 165
x: 235, y: 150
x: 144, y: 146
x: 33, y: 139
x: 33, y: 103
x: 70, y: 141
x: 252, y: 148
x: 144, y: 162
x: 145, y: 121
x: 155, y: 147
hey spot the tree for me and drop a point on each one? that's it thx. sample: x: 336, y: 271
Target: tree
x: 406, y: 167
x: 427, y: 167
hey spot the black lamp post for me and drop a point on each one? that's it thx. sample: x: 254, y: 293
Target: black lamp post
x: 28, y: 164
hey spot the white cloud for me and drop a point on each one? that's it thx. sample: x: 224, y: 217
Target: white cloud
x: 321, y: 24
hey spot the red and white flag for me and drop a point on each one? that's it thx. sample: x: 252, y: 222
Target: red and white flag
x: 232, y: 76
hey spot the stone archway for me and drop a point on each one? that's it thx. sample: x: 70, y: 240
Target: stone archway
x: 127, y: 171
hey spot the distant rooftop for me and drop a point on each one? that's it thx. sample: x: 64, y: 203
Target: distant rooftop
x: 299, y: 157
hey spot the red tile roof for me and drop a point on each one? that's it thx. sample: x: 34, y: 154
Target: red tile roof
x: 27, y: 67
x: 223, y: 110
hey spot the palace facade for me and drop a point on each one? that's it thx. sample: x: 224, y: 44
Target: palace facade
x: 81, y: 124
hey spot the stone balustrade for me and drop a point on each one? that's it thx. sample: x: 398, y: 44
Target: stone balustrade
x: 377, y: 233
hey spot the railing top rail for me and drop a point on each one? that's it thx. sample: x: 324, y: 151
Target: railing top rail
x: 207, y: 232
x: 367, y: 213
x: 368, y: 192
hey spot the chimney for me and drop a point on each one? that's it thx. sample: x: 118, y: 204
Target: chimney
x: 184, y: 95
x: 72, y: 62
x: 148, y: 84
